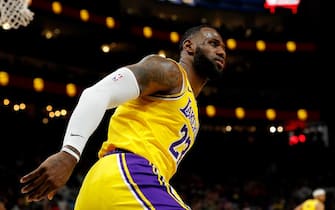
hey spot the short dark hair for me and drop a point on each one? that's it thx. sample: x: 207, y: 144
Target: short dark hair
x: 191, y: 31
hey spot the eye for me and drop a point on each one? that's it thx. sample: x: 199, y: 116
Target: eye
x: 214, y: 43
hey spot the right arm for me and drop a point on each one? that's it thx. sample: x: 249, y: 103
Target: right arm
x: 151, y: 75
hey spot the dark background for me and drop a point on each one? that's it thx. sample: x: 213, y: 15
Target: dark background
x: 253, y: 80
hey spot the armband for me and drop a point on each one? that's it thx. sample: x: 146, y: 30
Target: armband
x: 71, y: 152
x: 113, y: 90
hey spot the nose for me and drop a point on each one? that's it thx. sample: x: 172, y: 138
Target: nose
x: 221, y: 52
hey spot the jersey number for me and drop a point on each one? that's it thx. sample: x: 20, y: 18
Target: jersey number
x: 179, y: 148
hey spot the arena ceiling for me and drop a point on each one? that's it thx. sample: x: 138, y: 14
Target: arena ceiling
x: 273, y: 78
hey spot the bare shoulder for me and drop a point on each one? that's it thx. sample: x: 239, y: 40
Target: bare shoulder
x: 158, y: 62
x: 320, y: 206
x: 157, y: 74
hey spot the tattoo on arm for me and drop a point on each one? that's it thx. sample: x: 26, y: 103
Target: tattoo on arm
x: 156, y: 74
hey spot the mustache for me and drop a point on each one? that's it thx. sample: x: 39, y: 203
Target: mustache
x: 206, y: 67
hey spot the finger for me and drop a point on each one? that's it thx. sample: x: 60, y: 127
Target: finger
x: 34, y: 184
x: 52, y: 194
x: 39, y: 191
x: 30, y: 176
x: 44, y: 191
x: 39, y: 195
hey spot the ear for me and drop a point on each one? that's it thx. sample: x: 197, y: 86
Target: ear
x: 189, y: 47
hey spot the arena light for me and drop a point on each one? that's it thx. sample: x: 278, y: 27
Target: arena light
x: 174, y: 37
x: 270, y: 114
x: 210, y: 111
x: 56, y: 7
x: 147, y: 32
x: 4, y: 78
x: 84, y: 15
x: 291, y: 46
x: 260, y: 45
x: 6, y: 102
x: 302, y: 114
x: 110, y: 22
x: 71, y: 89
x: 240, y: 112
x: 289, y: 4
x: 38, y: 84
x: 231, y: 44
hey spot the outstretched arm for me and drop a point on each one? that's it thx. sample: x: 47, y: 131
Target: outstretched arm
x: 152, y: 74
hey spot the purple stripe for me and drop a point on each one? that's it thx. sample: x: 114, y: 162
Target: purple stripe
x: 142, y: 174
x: 127, y: 180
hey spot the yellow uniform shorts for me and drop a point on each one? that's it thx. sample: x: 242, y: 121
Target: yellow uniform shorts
x: 125, y: 181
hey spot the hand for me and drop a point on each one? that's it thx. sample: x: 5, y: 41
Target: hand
x: 51, y: 175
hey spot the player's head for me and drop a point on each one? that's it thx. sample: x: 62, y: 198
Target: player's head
x: 319, y: 194
x: 205, y: 46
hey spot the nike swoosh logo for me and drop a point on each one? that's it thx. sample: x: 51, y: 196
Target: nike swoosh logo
x: 73, y: 134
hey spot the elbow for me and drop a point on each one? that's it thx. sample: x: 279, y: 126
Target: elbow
x: 87, y: 92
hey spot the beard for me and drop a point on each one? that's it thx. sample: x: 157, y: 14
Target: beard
x: 205, y: 67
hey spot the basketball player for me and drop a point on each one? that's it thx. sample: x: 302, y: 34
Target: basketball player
x: 315, y: 203
x: 154, y: 125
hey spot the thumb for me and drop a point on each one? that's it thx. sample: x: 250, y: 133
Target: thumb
x: 51, y: 195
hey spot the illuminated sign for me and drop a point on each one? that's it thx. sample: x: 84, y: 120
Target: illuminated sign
x: 290, y: 4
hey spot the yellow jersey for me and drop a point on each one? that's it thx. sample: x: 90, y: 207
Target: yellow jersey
x: 160, y: 128
x: 310, y: 204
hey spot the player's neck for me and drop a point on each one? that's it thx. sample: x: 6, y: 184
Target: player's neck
x: 196, y: 82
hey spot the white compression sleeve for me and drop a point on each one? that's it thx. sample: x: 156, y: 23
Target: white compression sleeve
x: 116, y: 88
